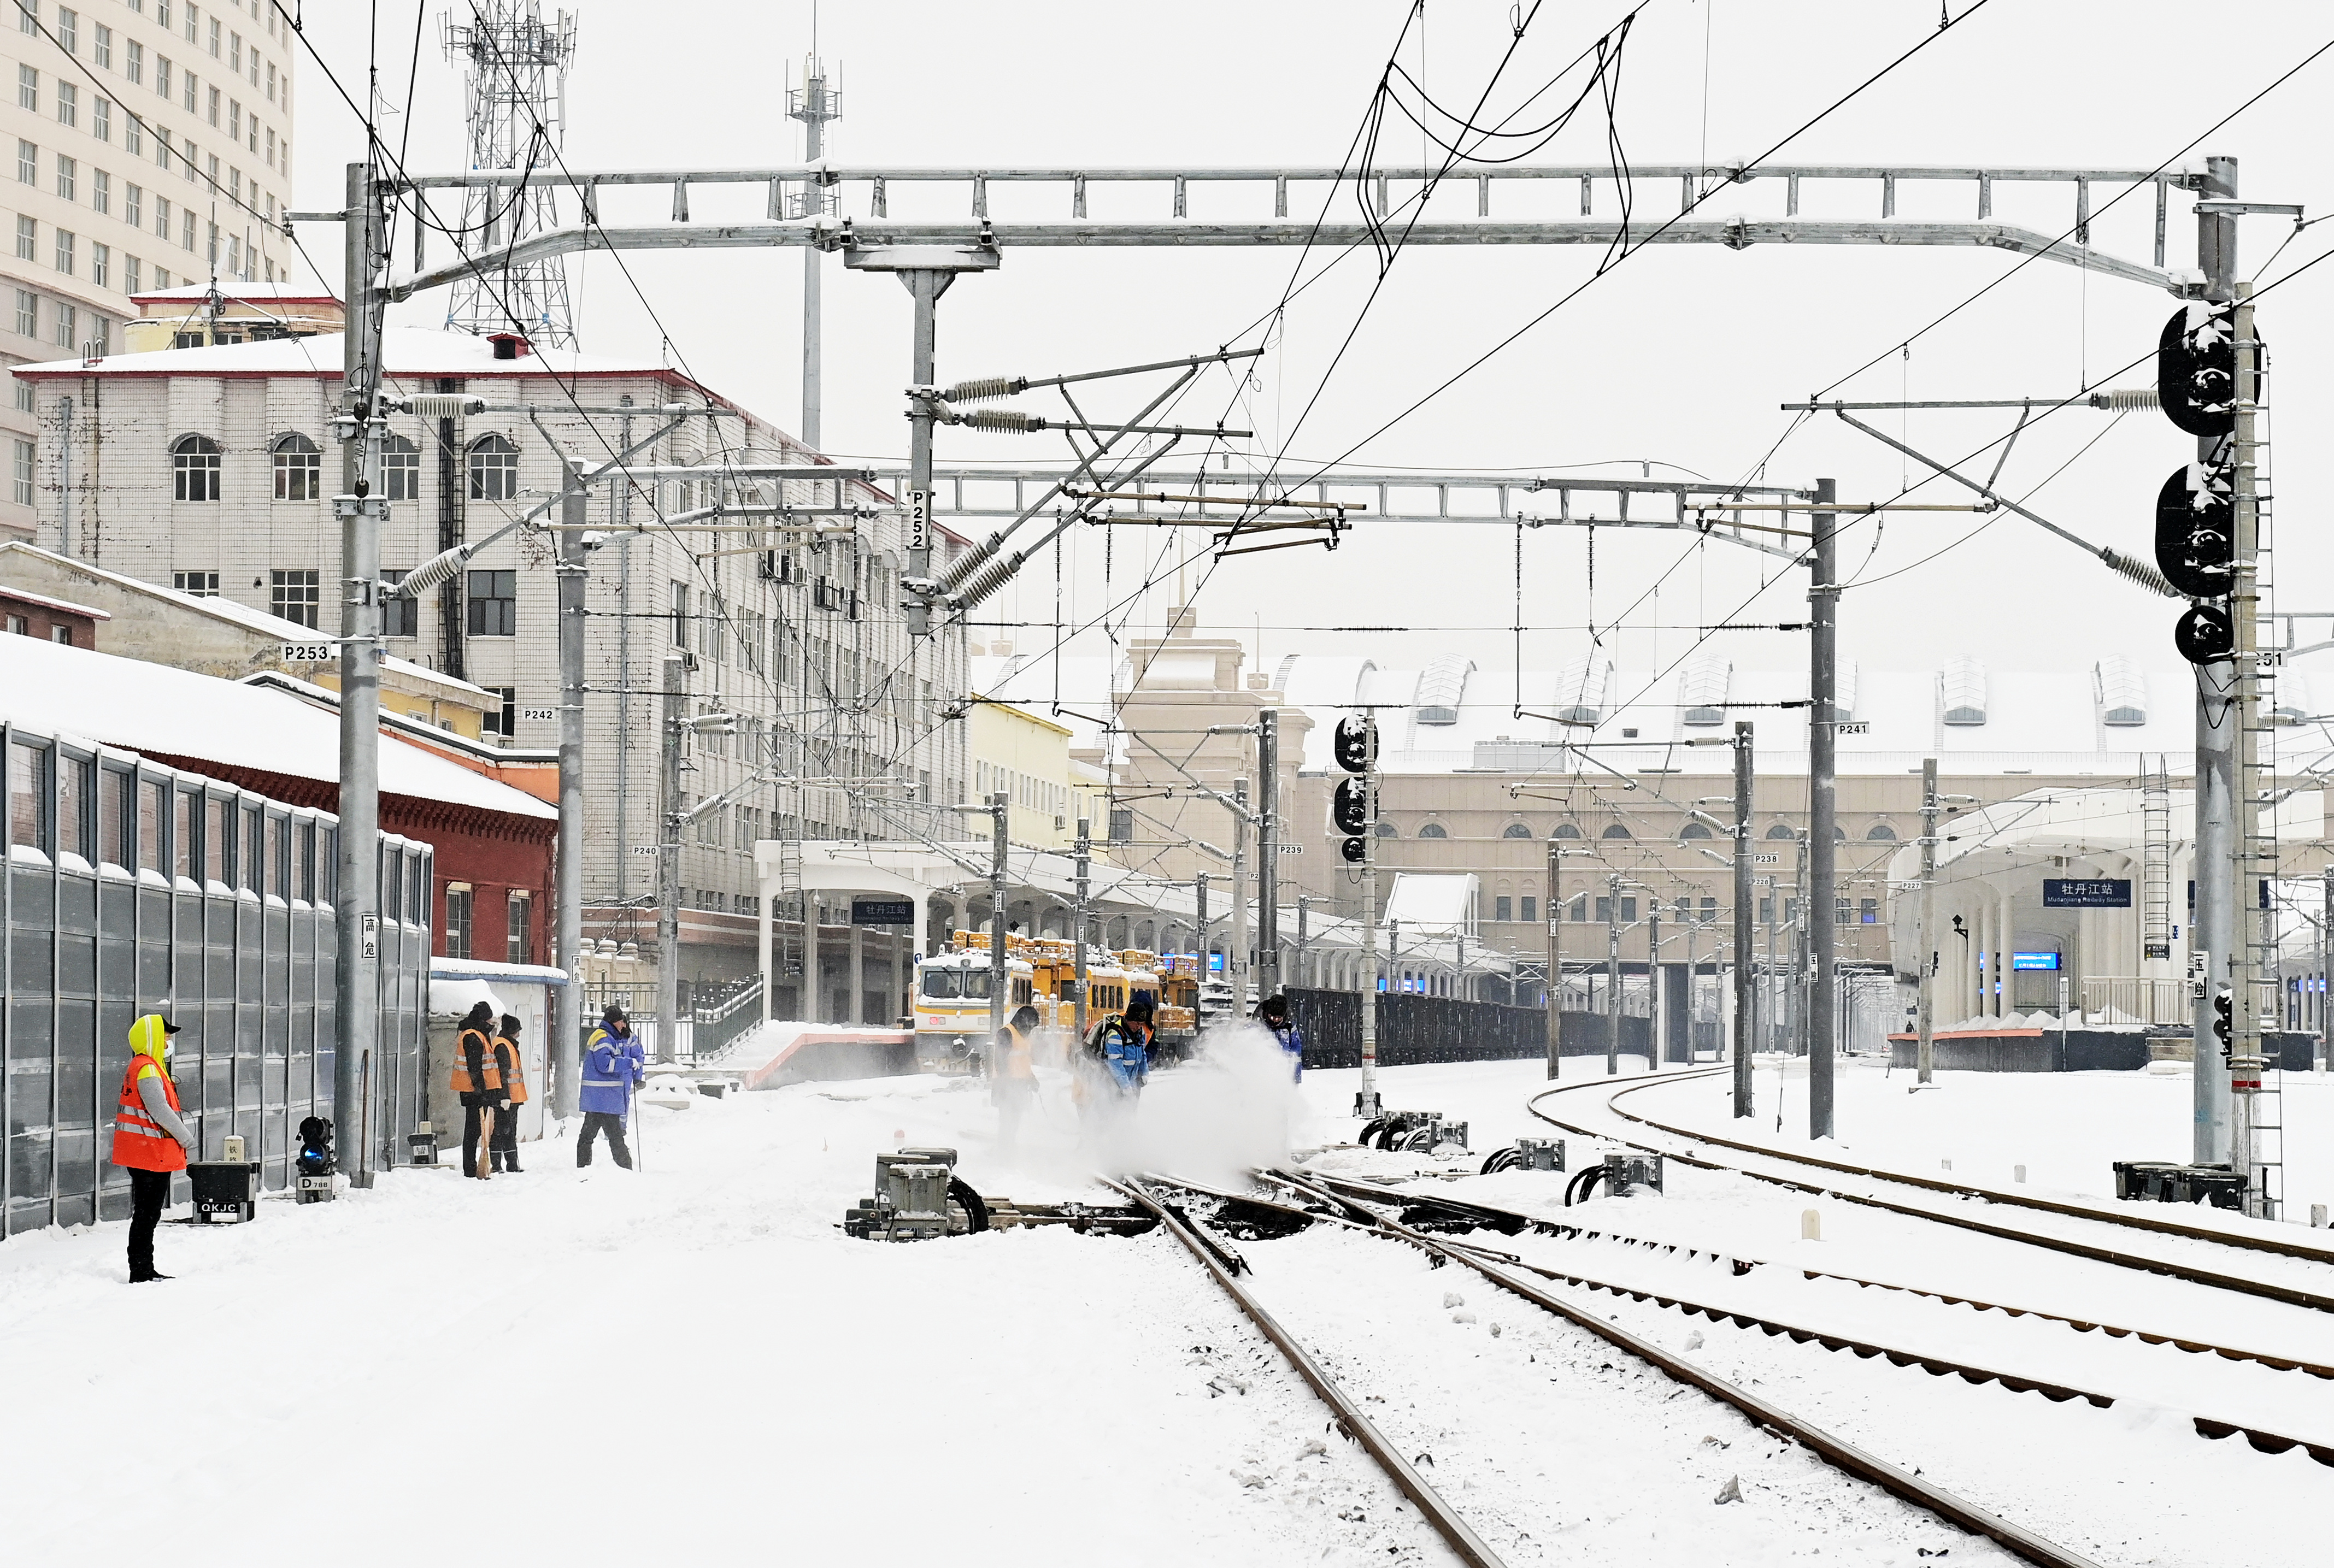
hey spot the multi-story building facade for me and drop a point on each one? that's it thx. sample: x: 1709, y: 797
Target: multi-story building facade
x: 1027, y: 758
x: 207, y: 467
x: 153, y: 148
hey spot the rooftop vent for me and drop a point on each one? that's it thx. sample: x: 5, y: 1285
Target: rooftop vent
x: 1701, y: 693
x: 509, y: 345
x: 1580, y: 690
x: 1960, y: 686
x: 2123, y: 691
x: 1442, y: 687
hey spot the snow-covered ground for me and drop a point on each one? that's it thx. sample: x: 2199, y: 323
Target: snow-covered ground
x: 690, y: 1362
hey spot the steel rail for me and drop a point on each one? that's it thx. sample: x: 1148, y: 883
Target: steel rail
x: 1840, y: 1453
x: 2137, y: 1220
x: 2206, y: 1427
x: 1565, y: 1229
x: 1471, y: 1548
x: 2137, y: 1260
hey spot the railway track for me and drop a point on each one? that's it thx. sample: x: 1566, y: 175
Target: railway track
x: 1504, y: 1272
x: 2121, y: 1257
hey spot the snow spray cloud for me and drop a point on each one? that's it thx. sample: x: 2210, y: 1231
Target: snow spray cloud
x: 1232, y: 1106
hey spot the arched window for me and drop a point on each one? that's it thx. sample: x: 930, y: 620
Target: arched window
x: 299, y: 468
x: 400, y: 469
x: 493, y: 469
x: 1565, y: 830
x: 1386, y: 831
x: 1616, y: 831
x: 195, y: 467
x: 1694, y: 830
x: 1433, y: 831
x: 1838, y: 835
x: 1882, y: 834
x: 1516, y: 831
x: 1782, y: 830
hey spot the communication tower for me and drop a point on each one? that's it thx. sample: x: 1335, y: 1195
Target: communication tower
x: 515, y: 69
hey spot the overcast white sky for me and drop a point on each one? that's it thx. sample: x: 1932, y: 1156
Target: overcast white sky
x: 1680, y: 354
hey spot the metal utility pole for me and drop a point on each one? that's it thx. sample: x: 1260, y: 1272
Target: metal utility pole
x: 361, y: 510
x: 1235, y: 960
x: 1819, y: 895
x: 814, y: 105
x: 1268, y: 852
x: 2212, y: 923
x: 1555, y: 962
x: 1078, y: 926
x: 1925, y: 951
x: 1654, y: 1019
x: 1304, y: 960
x: 1365, y: 1103
x: 669, y: 816
x: 1612, y: 975
x: 1745, y: 948
x: 2253, y: 956
x: 1000, y: 807
x: 1199, y: 914
x: 567, y: 927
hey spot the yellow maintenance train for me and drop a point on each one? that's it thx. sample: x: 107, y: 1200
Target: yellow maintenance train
x: 952, y: 994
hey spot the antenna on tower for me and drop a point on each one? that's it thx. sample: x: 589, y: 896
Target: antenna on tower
x: 814, y: 103
x: 515, y: 70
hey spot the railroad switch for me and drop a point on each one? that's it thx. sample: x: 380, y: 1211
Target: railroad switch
x: 1626, y: 1173
x: 1415, y: 1131
x: 2166, y: 1181
x: 918, y: 1195
x: 1527, y: 1154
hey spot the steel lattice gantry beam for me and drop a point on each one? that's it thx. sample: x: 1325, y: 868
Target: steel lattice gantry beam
x: 864, y: 197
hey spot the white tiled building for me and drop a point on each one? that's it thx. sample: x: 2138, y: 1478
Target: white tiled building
x: 212, y: 469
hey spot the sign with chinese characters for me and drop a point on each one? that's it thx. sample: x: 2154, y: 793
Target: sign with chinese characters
x: 2079, y: 893
x: 883, y: 911
x: 2034, y: 960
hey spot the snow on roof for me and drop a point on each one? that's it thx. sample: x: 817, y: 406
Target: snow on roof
x: 274, y: 627
x: 409, y: 351
x: 27, y: 596
x: 140, y: 707
x: 1433, y: 903
x: 279, y: 292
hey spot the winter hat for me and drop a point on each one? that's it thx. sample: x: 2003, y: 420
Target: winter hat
x: 511, y: 1024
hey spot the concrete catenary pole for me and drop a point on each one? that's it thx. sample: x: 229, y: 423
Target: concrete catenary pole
x: 1000, y: 978
x: 1925, y: 951
x: 2212, y: 925
x: 1818, y: 897
x: 1243, y: 879
x: 1199, y: 914
x: 1555, y: 961
x: 1078, y: 926
x: 2252, y: 956
x: 1745, y: 951
x: 1612, y: 974
x: 568, y: 924
x: 1268, y: 852
x: 1654, y: 1022
x: 1304, y: 976
x: 669, y: 809
x: 361, y: 510
x: 1365, y: 1103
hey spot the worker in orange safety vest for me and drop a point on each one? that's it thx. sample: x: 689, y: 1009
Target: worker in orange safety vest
x: 479, y: 1079
x: 150, y: 1138
x: 511, y: 1061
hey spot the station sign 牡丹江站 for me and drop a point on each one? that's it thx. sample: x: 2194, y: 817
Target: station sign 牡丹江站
x: 883, y: 911
x: 2087, y: 893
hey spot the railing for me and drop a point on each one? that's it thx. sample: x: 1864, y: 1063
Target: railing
x: 717, y: 1021
x: 2155, y: 999
x: 711, y: 1016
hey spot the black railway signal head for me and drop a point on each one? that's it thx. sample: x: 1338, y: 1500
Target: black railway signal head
x: 1354, y: 850
x: 2206, y: 635
x: 2196, y: 370
x: 1352, y: 744
x: 1349, y: 805
x: 2195, y: 530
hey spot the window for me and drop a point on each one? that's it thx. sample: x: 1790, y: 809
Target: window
x: 27, y: 239
x: 195, y: 462
x: 1516, y: 831
x: 163, y: 81
x: 1842, y: 913
x: 271, y: 78
x: 186, y: 228
x: 215, y: 31
x: 1433, y: 831
x: 522, y: 929
x: 1603, y: 910
x: 19, y: 626
x: 100, y: 118
x: 400, y: 469
x: 681, y: 615
x: 68, y: 178
x: 1387, y: 830
x: 1530, y: 912
x: 100, y: 271
x: 401, y: 613
x: 188, y: 96
x: 1881, y: 833
x: 458, y: 920
x: 28, y: 88
x: 211, y: 98
x: 69, y: 30
x: 28, y: 20
x: 65, y: 241
x: 1782, y: 830
x: 503, y: 721
x: 299, y: 469
x: 22, y: 475
x: 132, y: 281
x: 28, y: 162
x: 493, y: 469
x: 68, y: 104
x: 1615, y: 831
x: 201, y: 585
x: 23, y: 395
x: 1767, y: 910
x: 101, y: 46
x: 1868, y: 911
x: 1693, y: 830
x: 234, y: 50
x: 493, y: 604
x: 133, y: 60
x: 1503, y: 908
x: 294, y: 596
x: 1565, y: 830
x: 234, y: 120
x: 28, y: 317
x: 68, y: 320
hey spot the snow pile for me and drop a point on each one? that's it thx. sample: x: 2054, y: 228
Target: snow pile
x: 1229, y: 1108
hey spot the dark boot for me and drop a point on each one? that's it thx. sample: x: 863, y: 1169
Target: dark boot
x: 148, y: 1274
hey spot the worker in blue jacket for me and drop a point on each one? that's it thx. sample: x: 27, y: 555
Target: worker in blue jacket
x: 1273, y: 1013
x: 1123, y: 1045
x: 613, y: 1066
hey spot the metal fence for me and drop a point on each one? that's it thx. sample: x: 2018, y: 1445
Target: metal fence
x: 1418, y: 1029
x: 133, y: 887
x: 712, y: 1013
